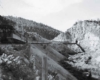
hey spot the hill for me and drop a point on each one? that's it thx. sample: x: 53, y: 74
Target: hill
x: 32, y: 26
x: 29, y: 61
x: 17, y: 62
x: 86, y: 34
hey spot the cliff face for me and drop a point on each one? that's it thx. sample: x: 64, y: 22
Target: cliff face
x: 86, y: 33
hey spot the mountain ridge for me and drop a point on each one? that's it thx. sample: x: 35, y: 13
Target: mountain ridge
x: 31, y: 26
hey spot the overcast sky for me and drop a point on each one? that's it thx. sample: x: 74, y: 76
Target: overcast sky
x: 59, y: 14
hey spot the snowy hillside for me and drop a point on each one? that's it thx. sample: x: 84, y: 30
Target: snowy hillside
x: 87, y: 35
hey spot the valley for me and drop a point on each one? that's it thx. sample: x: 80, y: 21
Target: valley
x: 34, y: 50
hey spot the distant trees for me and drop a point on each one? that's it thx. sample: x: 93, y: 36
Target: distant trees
x: 5, y: 21
x: 6, y: 28
x: 31, y: 26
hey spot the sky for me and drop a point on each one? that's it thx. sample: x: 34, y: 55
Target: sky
x: 59, y: 14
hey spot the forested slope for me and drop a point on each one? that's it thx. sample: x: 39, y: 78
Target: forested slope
x: 32, y: 26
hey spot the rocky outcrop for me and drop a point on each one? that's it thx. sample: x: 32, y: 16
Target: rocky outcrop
x: 86, y: 33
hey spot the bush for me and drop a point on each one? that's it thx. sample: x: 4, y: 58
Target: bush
x: 17, y: 67
x: 78, y: 73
